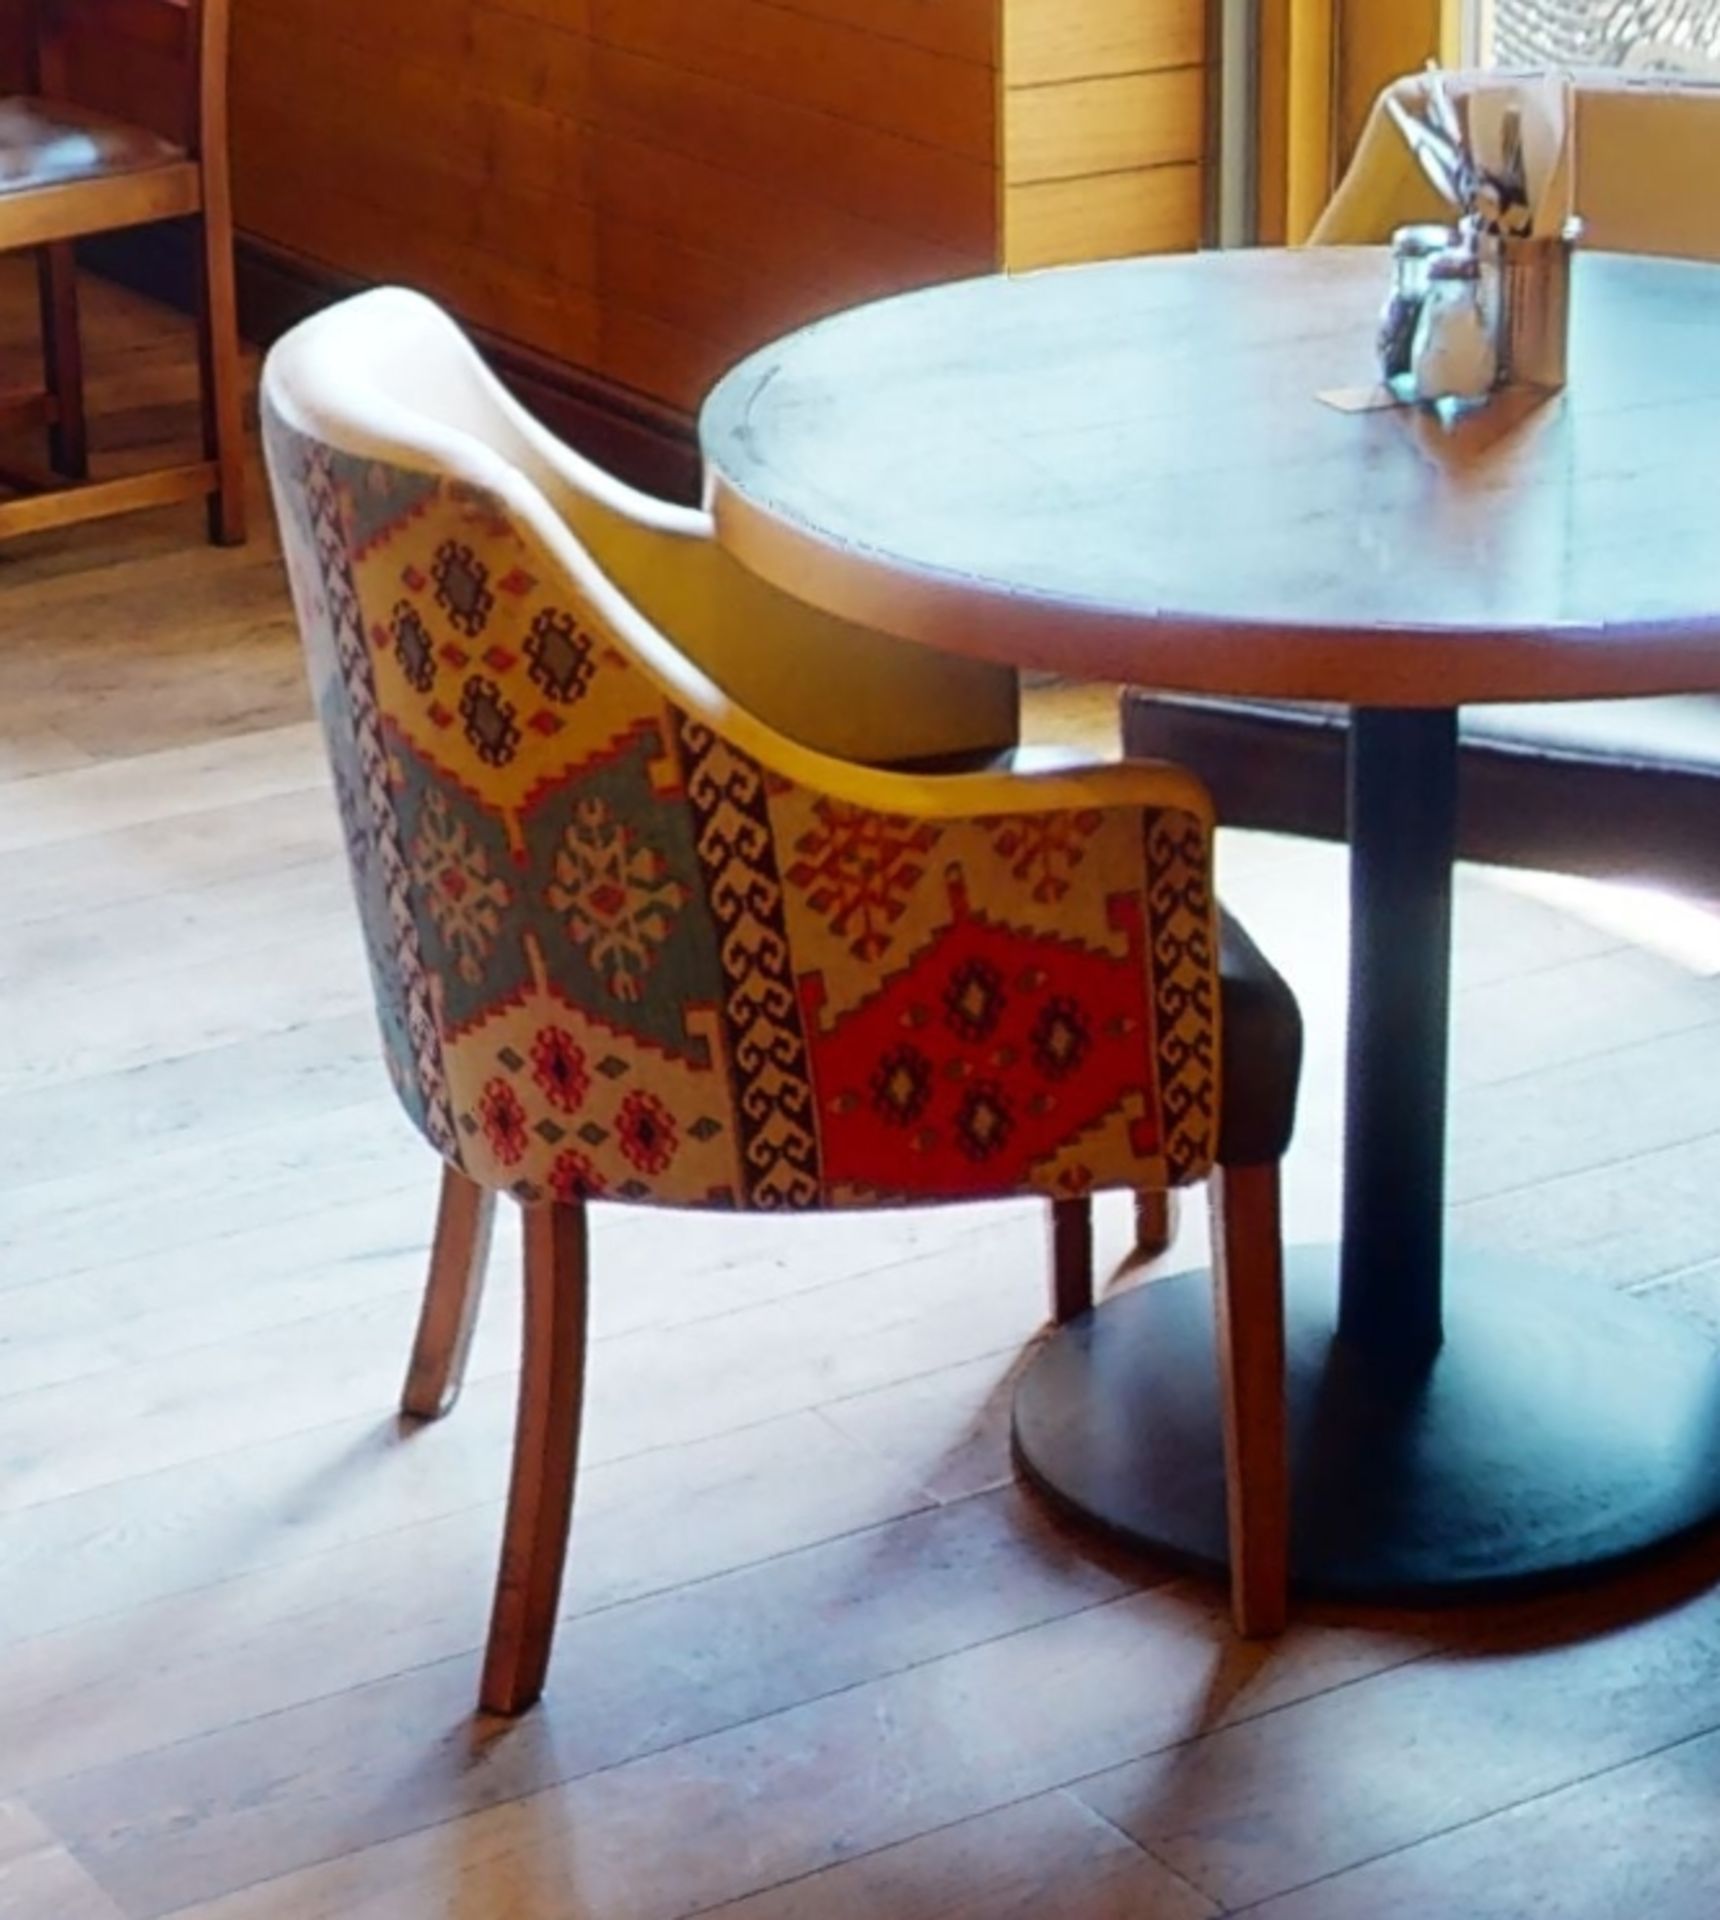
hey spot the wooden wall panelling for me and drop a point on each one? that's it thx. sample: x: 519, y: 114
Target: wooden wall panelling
x: 509, y: 56
x: 1272, y: 183
x: 429, y: 33
x: 965, y: 28
x: 699, y: 291
x: 851, y: 73
x: 726, y: 262
x: 776, y: 227
x: 1110, y: 124
x: 640, y: 352
x: 647, y: 189
x: 371, y: 122
x: 1310, y: 166
x: 1050, y: 40
x: 905, y: 184
x: 1104, y: 105
x: 811, y: 193
x: 456, y: 207
x: 424, y: 168
x: 1376, y: 45
x: 518, y: 302
x: 1146, y: 210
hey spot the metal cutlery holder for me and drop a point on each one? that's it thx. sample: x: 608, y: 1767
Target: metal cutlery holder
x: 1534, y: 308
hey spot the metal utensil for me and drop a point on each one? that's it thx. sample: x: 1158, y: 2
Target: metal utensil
x: 1445, y: 165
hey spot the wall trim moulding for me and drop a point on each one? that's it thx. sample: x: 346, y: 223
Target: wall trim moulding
x: 643, y: 442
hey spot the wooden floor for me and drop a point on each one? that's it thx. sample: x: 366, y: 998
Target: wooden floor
x: 822, y: 1657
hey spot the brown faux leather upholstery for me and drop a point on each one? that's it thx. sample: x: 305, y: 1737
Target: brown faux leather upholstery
x: 47, y: 143
x: 1629, y: 788
x: 1260, y: 1040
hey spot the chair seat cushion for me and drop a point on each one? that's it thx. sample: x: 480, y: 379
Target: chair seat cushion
x: 49, y: 143
x: 1260, y: 1029
x: 1620, y: 787
x: 1679, y: 731
x: 1674, y: 731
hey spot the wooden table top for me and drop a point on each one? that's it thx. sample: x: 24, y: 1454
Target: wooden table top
x: 1124, y: 472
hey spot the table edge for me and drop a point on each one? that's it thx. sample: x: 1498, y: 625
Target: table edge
x: 1183, y: 653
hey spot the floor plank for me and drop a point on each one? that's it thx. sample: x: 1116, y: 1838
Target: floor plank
x: 1636, y: 1841
x: 784, y: 1796
x: 943, y: 1300
x: 1044, y: 1859
x: 374, y: 1762
x: 358, y: 1606
x: 1299, y: 1796
x: 39, y: 1878
x: 58, y: 807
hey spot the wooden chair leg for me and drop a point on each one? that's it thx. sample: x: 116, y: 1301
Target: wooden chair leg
x: 1155, y: 1223
x: 465, y: 1222
x: 63, y: 358
x: 1071, y: 1259
x: 1248, y: 1274
x: 546, y: 1458
x: 223, y: 379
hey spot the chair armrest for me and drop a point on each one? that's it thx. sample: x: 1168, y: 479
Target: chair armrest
x: 1059, y: 921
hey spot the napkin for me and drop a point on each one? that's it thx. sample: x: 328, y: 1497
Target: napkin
x: 1504, y: 155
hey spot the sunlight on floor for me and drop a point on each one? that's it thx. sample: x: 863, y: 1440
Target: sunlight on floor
x: 1677, y: 927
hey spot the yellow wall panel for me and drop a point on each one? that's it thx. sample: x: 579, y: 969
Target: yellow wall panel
x: 1054, y: 223
x: 1047, y: 40
x: 1105, y: 125
x: 1375, y: 45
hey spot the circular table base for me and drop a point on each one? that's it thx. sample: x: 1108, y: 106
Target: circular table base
x: 1562, y: 1430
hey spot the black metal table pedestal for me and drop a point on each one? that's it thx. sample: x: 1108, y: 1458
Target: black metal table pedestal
x: 1455, y: 1425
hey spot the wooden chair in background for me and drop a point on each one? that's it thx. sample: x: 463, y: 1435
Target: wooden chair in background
x: 68, y: 171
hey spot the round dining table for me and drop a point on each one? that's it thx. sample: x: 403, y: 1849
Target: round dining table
x: 1172, y: 473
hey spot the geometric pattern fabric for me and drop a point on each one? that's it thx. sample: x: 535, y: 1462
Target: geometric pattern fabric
x: 616, y: 956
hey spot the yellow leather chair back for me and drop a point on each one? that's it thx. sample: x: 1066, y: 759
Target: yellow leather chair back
x: 1648, y: 157
x: 826, y: 683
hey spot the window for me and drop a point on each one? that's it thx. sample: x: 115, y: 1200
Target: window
x: 1645, y: 35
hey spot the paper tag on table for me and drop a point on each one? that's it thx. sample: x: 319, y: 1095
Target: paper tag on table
x: 1374, y: 399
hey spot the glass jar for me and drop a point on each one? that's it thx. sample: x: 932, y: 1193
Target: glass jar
x: 1455, y: 355
x: 1414, y: 248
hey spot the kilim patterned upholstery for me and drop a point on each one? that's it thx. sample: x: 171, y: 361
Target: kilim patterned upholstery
x: 628, y: 942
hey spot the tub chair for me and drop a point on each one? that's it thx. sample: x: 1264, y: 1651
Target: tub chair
x: 645, y: 927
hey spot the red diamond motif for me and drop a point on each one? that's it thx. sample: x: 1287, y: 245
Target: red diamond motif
x: 414, y: 579
x: 972, y: 1133
x: 440, y: 714
x: 454, y: 656
x: 499, y: 659
x: 545, y: 723
x: 517, y: 581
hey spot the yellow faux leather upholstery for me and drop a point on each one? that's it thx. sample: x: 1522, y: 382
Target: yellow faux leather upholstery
x: 841, y: 688
x: 1648, y: 157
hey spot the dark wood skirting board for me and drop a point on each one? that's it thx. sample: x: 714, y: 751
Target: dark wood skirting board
x: 1283, y: 770
x: 643, y: 442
